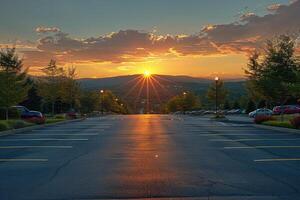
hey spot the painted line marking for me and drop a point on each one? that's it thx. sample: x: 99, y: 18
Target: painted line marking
x: 25, y: 147
x: 68, y: 130
x: 277, y: 159
x: 23, y: 160
x: 62, y: 134
x: 263, y: 147
x: 45, y: 139
x: 255, y: 139
x: 241, y: 134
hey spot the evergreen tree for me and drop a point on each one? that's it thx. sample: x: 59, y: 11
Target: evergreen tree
x: 13, y: 84
x: 236, y: 105
x: 271, y: 78
x: 221, y: 92
x: 227, y: 105
x: 70, y: 88
x: 250, y: 106
x: 50, y: 87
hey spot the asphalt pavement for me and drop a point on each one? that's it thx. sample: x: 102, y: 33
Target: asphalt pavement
x: 150, y: 156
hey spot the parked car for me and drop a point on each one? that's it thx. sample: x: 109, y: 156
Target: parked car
x: 287, y: 109
x: 30, y: 115
x: 72, y: 114
x: 261, y: 112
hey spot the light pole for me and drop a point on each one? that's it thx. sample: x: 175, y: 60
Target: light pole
x: 184, y: 104
x: 216, y: 83
x: 102, y: 107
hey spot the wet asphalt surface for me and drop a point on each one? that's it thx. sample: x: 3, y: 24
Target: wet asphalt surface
x: 150, y: 156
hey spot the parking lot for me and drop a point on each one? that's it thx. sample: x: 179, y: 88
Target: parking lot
x: 141, y: 156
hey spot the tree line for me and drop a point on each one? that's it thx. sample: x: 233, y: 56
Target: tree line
x: 272, y: 78
x: 55, y: 92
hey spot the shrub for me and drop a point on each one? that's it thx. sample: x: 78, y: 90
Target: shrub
x: 262, y: 118
x: 3, y: 126
x: 295, y: 122
x: 18, y: 124
x: 62, y: 116
x: 285, y: 124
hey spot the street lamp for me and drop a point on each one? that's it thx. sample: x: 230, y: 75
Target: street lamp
x: 216, y: 83
x: 102, y: 107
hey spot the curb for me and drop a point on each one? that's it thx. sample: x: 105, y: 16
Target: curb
x: 30, y: 128
x: 274, y: 128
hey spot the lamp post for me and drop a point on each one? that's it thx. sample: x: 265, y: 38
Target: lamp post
x: 102, y: 107
x: 216, y: 83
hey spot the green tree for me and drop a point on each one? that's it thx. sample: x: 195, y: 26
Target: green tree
x: 13, y: 79
x: 227, y: 105
x: 250, y: 106
x: 70, y: 88
x: 271, y: 78
x: 186, y: 101
x: 236, y: 105
x: 89, y: 101
x: 109, y: 102
x: 221, y: 92
x: 49, y: 87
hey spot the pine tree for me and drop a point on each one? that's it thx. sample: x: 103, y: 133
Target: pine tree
x: 50, y: 87
x: 13, y: 84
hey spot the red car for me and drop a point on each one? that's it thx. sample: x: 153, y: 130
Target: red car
x: 287, y: 109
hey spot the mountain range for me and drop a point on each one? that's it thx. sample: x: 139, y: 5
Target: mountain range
x: 133, y: 88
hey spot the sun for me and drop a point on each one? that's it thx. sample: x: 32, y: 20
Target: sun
x: 147, y: 74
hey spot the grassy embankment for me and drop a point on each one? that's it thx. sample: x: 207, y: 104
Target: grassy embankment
x: 18, y: 123
x: 279, y: 123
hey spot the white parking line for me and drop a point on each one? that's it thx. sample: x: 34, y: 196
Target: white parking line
x: 263, y: 147
x: 23, y: 160
x: 67, y: 130
x: 62, y: 134
x: 45, y: 139
x: 25, y: 147
x: 254, y: 139
x: 241, y: 134
x: 277, y: 159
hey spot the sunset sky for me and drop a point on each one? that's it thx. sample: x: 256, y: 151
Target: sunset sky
x: 102, y: 38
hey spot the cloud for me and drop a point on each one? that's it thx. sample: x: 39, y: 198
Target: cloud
x: 242, y: 36
x: 274, y: 7
x: 42, y: 29
x: 253, y: 30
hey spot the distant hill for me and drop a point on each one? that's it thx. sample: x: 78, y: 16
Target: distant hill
x: 96, y: 83
x: 162, y: 88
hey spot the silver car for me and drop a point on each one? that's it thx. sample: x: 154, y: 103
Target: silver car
x: 261, y: 112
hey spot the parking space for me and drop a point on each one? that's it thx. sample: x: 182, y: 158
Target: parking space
x: 123, y: 157
x: 43, y: 145
x: 256, y: 144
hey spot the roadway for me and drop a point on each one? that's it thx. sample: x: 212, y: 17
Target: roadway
x: 150, y: 156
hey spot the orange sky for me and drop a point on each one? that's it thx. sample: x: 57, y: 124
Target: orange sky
x: 227, y: 66
x: 204, y: 48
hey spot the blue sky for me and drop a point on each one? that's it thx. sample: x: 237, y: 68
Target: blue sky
x: 87, y: 18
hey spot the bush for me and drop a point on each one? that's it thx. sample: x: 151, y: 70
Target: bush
x: 284, y: 124
x: 295, y: 122
x: 19, y: 124
x: 51, y: 121
x: 262, y: 118
x: 3, y: 126
x: 62, y: 116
